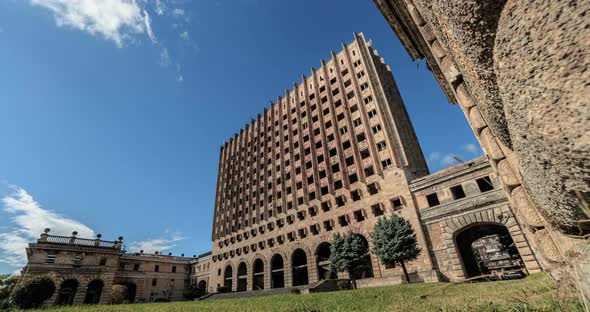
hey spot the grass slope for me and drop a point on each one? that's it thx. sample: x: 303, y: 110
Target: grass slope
x: 535, y: 293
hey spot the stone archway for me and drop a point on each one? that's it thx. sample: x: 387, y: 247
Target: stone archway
x: 364, y: 268
x: 258, y: 274
x: 487, y: 248
x: 323, y: 261
x: 500, y: 216
x: 299, y: 268
x: 202, y: 286
x: 93, y: 292
x: 67, y: 292
x: 228, y: 277
x: 242, y: 277
x: 277, y: 271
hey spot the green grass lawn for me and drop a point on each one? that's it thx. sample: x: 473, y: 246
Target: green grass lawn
x: 535, y: 293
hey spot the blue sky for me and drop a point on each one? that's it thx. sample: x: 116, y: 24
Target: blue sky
x: 112, y: 115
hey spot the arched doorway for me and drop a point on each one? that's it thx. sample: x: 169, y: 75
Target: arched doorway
x: 242, y: 277
x: 93, y: 292
x: 123, y: 292
x: 487, y: 248
x: 364, y: 268
x: 277, y: 272
x: 323, y: 262
x: 67, y: 292
x: 258, y: 275
x: 299, y: 267
x: 228, y: 277
x: 202, y: 286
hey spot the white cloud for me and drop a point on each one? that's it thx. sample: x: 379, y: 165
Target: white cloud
x: 434, y: 156
x: 115, y: 20
x: 184, y: 36
x: 448, y: 160
x: 164, y: 58
x: 471, y: 148
x: 28, y: 221
x: 148, y: 27
x: 160, y: 7
x: 178, y: 12
x: 157, y: 244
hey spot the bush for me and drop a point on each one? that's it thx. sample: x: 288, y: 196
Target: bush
x: 223, y: 289
x: 33, y: 292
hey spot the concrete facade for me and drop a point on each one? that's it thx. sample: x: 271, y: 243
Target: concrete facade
x: 330, y: 156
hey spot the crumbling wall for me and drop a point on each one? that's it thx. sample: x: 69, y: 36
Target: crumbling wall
x: 467, y: 30
x: 541, y: 59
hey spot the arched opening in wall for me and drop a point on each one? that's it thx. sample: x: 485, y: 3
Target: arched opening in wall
x: 67, y: 292
x: 242, y: 277
x: 93, y: 292
x: 277, y: 272
x: 228, y: 277
x: 364, y: 268
x: 123, y: 293
x: 487, y: 248
x: 202, y: 286
x: 299, y: 265
x: 323, y: 262
x: 258, y: 275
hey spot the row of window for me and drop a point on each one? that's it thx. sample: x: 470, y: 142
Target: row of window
x: 373, y: 189
x: 230, y: 191
x: 285, y: 127
x: 328, y: 225
x: 484, y: 184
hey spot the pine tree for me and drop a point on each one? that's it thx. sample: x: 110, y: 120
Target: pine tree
x: 349, y: 253
x: 394, y: 242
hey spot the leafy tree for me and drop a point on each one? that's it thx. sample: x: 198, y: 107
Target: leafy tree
x: 394, y: 242
x: 349, y: 253
x: 33, y: 292
x: 7, y: 283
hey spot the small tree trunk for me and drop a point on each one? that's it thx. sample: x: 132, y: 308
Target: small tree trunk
x: 406, y: 277
x: 352, y: 280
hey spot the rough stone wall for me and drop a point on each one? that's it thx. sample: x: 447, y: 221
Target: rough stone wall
x: 539, y: 64
x: 541, y: 58
x: 467, y: 28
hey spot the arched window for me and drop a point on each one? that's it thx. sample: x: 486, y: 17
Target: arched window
x: 227, y: 277
x: 299, y: 267
x: 277, y: 272
x: 67, y: 292
x: 93, y: 292
x: 258, y: 275
x: 242, y: 277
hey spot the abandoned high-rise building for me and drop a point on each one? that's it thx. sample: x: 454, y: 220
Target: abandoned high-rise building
x: 333, y: 154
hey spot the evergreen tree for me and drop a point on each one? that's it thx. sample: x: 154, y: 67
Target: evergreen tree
x: 394, y: 242
x: 350, y: 253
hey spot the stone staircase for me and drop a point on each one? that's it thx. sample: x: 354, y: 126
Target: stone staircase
x: 253, y: 293
x: 319, y: 286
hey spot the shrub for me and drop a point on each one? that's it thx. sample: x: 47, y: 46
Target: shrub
x: 223, y: 289
x: 33, y: 292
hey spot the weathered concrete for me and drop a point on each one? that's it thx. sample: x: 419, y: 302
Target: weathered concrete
x: 541, y: 57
